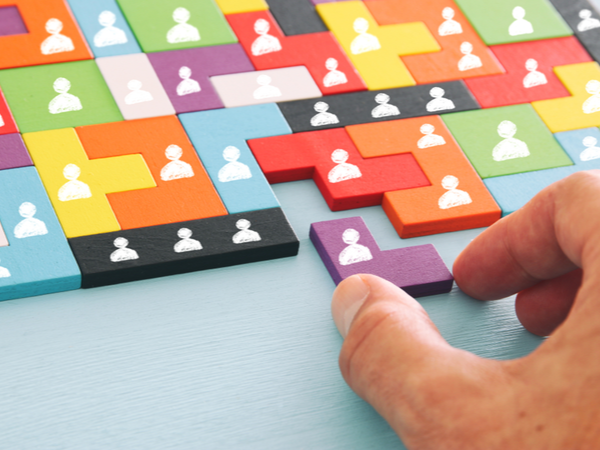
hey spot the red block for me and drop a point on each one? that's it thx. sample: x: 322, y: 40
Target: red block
x: 7, y: 122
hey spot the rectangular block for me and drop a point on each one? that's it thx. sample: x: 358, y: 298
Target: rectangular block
x: 13, y: 153
x: 296, y: 16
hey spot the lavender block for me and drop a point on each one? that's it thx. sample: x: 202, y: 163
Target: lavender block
x: 13, y: 152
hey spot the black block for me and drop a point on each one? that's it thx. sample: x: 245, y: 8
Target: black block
x: 578, y: 14
x: 296, y: 16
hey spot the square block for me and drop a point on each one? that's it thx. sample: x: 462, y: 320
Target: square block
x: 241, y: 6
x: 7, y: 121
x: 13, y: 153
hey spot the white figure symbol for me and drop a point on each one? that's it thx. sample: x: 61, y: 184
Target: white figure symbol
x: 355, y: 252
x: 364, y: 42
x: 2, y: 122
x: 187, y: 86
x: 343, y: 171
x: 334, y: 76
x: 591, y: 152
x: 4, y: 272
x: 450, y: 26
x: 469, y: 61
x: 588, y: 22
x: 137, y: 95
x: 187, y: 244
x: 264, y: 43
x: 245, y: 234
x: 592, y: 104
x: 64, y: 102
x: 56, y: 42
x: 439, y: 103
x: 29, y: 226
x: 430, y: 139
x: 122, y: 253
x: 176, y: 169
x: 384, y: 109
x: 183, y: 31
x: 265, y: 90
x: 520, y: 25
x: 109, y: 35
x: 510, y: 147
x: 233, y: 170
x: 534, y: 77
x: 323, y: 117
x: 73, y: 189
x: 454, y: 197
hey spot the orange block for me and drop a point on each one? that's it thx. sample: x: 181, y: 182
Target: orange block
x: 457, y: 198
x: 184, y: 190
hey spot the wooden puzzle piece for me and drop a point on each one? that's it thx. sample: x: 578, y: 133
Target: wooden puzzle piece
x: 374, y: 49
x: 296, y: 17
x: 345, y: 179
x: 152, y: 252
x: 584, y: 20
x: 13, y: 153
x: 58, y: 96
x: 77, y: 186
x: 347, y: 247
x: 241, y: 6
x: 7, y: 121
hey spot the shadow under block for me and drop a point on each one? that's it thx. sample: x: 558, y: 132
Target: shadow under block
x: 241, y: 6
x: 38, y: 259
x: 296, y: 16
x: 184, y: 247
x: 162, y: 25
x: 13, y: 153
x: 584, y: 20
x: 346, y: 180
x: 505, y: 141
x: 347, y: 247
x: 440, y: 207
x: 7, y: 121
x: 77, y: 186
x: 236, y: 176
x: 374, y: 49
x: 58, y: 96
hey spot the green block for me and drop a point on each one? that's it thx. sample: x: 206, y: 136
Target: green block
x: 496, y: 150
x: 494, y: 20
x: 75, y: 92
x: 162, y: 25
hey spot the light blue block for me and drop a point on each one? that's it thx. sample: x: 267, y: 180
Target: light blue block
x: 213, y: 131
x: 38, y: 262
x: 87, y: 13
x: 574, y: 145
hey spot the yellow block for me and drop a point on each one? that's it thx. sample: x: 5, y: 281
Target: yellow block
x: 582, y: 110
x: 242, y: 6
x: 77, y: 186
x: 374, y: 49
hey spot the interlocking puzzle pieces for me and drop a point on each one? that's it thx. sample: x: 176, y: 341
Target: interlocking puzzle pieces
x: 241, y: 6
x: 374, y: 49
x: 296, y: 16
x: 346, y: 180
x: 184, y: 247
x: 348, y: 248
x: 456, y: 198
x: 13, y: 153
x: 320, y: 53
x: 583, y: 18
x: 7, y: 121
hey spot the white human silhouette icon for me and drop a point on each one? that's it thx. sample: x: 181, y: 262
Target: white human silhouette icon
x: 122, y: 253
x: 176, y: 169
x: 73, y: 189
x: 63, y: 102
x: 343, y: 171
x: 264, y: 43
x: 334, y: 77
x: 449, y: 26
x: 233, y: 170
x: 592, y: 104
x: 468, y: 61
x: 245, y: 234
x: 587, y: 21
x: 534, y: 77
x: 265, y: 90
x: 137, y: 95
x: 429, y: 139
x: 4, y: 272
x: 187, y: 244
x: 383, y: 109
x: 591, y: 152
x: 510, y: 147
x: 109, y: 35
x: 454, y: 197
x: 56, y: 42
x: 183, y: 31
x: 187, y: 86
x: 520, y: 25
x: 364, y: 42
x: 355, y: 252
x: 439, y: 103
x: 29, y: 226
x: 323, y: 117
x: 1, y: 121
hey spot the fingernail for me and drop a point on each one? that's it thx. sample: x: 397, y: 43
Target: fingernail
x: 348, y: 298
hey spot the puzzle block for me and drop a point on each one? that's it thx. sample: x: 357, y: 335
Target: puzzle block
x: 374, y: 49
x: 266, y: 86
x: 185, y: 74
x: 7, y: 121
x: 58, y: 96
x: 241, y: 6
x: 11, y: 21
x: 347, y: 247
x: 505, y: 141
x: 529, y: 72
x: 77, y: 186
x: 463, y: 54
x: 162, y: 25
x: 184, y: 247
x: 219, y: 137
x: 52, y: 35
x: 269, y: 48
x: 105, y: 28
x: 584, y: 20
x: 296, y: 16
x: 456, y: 198
x: 135, y: 86
x: 506, y: 21
x: 13, y: 153
x: 345, y: 179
